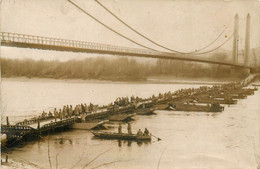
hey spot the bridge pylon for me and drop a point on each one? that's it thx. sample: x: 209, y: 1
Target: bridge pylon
x: 235, y: 40
x: 247, y: 40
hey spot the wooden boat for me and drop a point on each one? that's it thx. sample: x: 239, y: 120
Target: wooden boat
x: 214, y: 107
x: 89, y: 125
x: 211, y: 100
x: 241, y: 91
x: 161, y: 106
x: 121, y: 117
x: 144, y: 111
x: 121, y: 136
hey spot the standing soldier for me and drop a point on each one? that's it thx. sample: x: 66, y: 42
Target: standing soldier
x: 86, y: 107
x: 129, y: 128
x: 83, y: 108
x: 50, y: 114
x: 44, y: 114
x: 70, y: 111
x: 90, y: 107
x: 79, y: 108
x: 55, y: 114
x: 60, y: 114
x: 64, y: 111
x: 119, y: 129
x: 76, y: 111
x: 67, y: 108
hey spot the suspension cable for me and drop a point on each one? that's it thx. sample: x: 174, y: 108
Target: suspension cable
x: 220, y: 44
x: 111, y: 29
x: 133, y: 41
x: 145, y: 37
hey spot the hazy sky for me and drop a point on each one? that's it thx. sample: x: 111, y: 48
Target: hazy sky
x: 183, y: 25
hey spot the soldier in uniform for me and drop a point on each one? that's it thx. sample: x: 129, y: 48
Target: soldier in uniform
x: 139, y: 133
x: 50, y: 114
x: 86, y: 108
x: 70, y: 111
x: 55, y: 114
x: 60, y: 114
x: 119, y: 129
x: 65, y: 113
x: 76, y: 111
x: 146, y: 132
x: 129, y: 129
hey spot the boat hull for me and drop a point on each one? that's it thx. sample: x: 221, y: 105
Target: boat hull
x: 121, y: 136
x: 88, y: 125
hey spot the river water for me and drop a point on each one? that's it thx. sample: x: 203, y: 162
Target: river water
x: 189, y: 139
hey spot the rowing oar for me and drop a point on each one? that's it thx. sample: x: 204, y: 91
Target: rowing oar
x: 157, y: 137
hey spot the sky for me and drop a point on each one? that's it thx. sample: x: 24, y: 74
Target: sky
x: 183, y: 25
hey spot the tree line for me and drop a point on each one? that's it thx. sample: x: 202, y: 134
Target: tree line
x: 120, y: 69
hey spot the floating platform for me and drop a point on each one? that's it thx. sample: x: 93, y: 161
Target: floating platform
x: 194, y: 107
x: 161, y: 106
x: 144, y: 111
x: 89, y: 125
x: 121, y: 117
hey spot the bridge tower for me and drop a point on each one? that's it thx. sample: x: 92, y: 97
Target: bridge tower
x: 235, y: 40
x: 247, y: 40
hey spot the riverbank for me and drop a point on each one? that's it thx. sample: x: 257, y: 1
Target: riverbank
x: 15, y: 164
x: 150, y: 80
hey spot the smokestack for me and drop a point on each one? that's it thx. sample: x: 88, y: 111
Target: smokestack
x: 247, y: 40
x: 235, y: 40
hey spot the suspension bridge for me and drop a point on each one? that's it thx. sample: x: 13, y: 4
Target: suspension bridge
x: 10, y: 39
x: 48, y: 43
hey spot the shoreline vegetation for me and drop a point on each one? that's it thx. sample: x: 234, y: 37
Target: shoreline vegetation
x: 119, y: 69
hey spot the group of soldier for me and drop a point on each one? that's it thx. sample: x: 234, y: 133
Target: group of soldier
x: 124, y: 101
x: 68, y: 111
x: 129, y: 130
x: 194, y: 91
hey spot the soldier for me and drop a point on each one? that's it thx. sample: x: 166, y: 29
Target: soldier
x: 86, y: 108
x: 76, y: 111
x: 44, y: 115
x: 50, y: 114
x: 90, y: 107
x: 60, y: 114
x: 67, y: 109
x: 79, y: 108
x: 70, y: 111
x: 139, y: 133
x: 64, y: 111
x: 55, y: 114
x: 83, y: 108
x: 146, y: 132
x: 119, y: 129
x: 129, y: 128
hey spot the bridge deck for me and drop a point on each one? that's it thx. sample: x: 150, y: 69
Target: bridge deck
x: 47, y: 43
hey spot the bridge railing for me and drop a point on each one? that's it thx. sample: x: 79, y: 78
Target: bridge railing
x: 39, y: 40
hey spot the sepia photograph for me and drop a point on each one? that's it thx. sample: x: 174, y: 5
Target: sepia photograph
x: 130, y: 84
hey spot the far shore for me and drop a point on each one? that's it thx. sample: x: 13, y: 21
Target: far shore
x: 150, y: 80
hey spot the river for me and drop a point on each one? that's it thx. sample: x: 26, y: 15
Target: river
x: 189, y: 139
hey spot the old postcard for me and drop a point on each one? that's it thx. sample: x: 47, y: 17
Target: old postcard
x: 130, y: 84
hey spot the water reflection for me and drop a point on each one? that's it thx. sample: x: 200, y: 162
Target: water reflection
x: 130, y: 142
x: 62, y: 140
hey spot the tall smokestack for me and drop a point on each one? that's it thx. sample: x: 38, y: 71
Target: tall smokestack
x: 247, y: 40
x: 235, y: 40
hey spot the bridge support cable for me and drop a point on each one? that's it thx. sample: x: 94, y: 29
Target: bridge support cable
x: 220, y: 44
x: 111, y: 29
x: 133, y: 41
x: 152, y: 41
